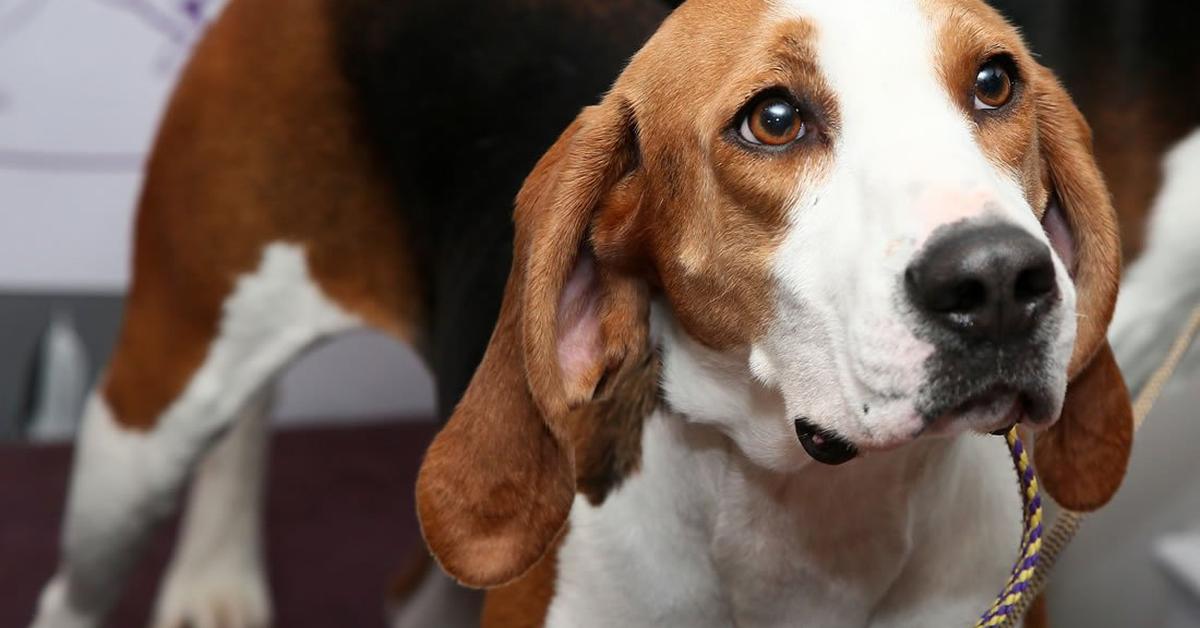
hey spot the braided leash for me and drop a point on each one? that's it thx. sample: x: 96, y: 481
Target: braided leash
x: 1023, y: 572
x: 1038, y: 554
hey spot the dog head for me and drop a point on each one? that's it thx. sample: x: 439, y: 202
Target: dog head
x: 888, y: 210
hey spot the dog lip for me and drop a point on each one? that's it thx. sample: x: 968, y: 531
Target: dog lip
x: 1014, y: 416
x: 994, y: 410
x: 824, y: 446
x: 981, y: 400
x: 1018, y: 410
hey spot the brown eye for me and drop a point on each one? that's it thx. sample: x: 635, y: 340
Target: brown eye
x: 993, y: 85
x: 773, y: 121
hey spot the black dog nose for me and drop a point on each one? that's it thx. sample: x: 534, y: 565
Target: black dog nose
x: 989, y: 282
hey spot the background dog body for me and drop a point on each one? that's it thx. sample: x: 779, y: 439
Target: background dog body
x: 358, y: 146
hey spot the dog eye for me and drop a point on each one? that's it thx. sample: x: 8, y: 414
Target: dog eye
x: 772, y: 121
x: 993, y: 84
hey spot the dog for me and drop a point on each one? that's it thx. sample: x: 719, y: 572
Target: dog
x: 763, y: 298
x: 850, y: 234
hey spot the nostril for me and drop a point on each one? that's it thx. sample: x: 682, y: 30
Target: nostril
x: 944, y: 293
x: 965, y: 296
x: 1034, y: 283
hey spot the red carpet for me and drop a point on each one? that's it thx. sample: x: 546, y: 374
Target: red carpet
x: 340, y: 524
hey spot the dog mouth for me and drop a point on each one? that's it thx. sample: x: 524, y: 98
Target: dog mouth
x: 995, y: 410
x: 824, y: 446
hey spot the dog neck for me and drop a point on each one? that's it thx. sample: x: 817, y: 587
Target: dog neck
x: 711, y: 537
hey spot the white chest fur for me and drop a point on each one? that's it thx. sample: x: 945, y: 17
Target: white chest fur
x: 700, y: 536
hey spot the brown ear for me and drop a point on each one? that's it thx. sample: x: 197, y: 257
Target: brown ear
x: 1082, y: 458
x: 497, y: 483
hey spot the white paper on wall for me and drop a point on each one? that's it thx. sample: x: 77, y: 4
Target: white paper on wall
x: 82, y: 86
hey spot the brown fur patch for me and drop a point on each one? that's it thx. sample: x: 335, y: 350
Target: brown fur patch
x: 524, y: 603
x: 496, y: 485
x: 1065, y: 143
x: 969, y: 34
x: 607, y: 437
x: 498, y: 481
x: 1037, y: 617
x: 608, y: 432
x: 291, y: 168
x: 714, y: 211
x: 1082, y: 460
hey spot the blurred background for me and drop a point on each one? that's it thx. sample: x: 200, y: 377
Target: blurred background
x: 82, y: 86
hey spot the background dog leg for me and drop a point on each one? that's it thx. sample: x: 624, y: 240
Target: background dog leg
x: 112, y: 503
x: 126, y: 478
x: 216, y: 577
x: 123, y: 483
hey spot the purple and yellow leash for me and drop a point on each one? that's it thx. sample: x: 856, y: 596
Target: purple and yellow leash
x: 1038, y: 555
x: 1017, y: 589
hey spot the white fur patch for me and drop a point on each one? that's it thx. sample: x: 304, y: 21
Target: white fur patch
x: 216, y: 577
x: 704, y: 535
x: 842, y: 346
x: 272, y: 315
x: 55, y: 612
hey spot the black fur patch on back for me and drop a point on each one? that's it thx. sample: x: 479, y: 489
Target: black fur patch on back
x: 458, y: 99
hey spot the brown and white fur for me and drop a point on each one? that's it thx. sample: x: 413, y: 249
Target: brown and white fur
x: 626, y: 452
x: 766, y: 282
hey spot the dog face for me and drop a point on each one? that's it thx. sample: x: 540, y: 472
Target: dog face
x: 888, y: 211
x: 906, y: 282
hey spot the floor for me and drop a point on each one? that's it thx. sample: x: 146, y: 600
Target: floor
x: 340, y: 525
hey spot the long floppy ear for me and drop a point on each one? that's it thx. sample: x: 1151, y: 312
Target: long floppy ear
x: 498, y: 482
x: 1082, y: 458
